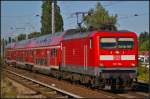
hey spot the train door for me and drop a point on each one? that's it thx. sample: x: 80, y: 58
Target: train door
x: 54, y: 58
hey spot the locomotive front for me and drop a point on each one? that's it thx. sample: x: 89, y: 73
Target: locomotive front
x: 117, y: 58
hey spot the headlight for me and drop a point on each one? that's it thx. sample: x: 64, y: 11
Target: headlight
x: 101, y: 64
x: 132, y: 64
x: 119, y: 64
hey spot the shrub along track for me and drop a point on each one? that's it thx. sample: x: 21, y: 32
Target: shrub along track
x: 78, y: 90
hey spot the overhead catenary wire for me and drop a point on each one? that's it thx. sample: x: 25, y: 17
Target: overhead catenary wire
x: 131, y: 16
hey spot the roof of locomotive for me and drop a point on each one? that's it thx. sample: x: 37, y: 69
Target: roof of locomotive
x: 55, y: 39
x: 75, y: 34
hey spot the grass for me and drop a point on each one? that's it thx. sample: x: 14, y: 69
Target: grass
x: 7, y: 89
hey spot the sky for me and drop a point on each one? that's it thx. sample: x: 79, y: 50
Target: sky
x: 20, y: 16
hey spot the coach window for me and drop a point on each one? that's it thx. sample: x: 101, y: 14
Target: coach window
x: 40, y: 61
x: 45, y: 61
x: 54, y: 52
x: 36, y: 61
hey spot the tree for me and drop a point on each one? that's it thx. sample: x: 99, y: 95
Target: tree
x: 144, y: 41
x: 13, y: 40
x: 9, y: 39
x: 34, y: 34
x: 21, y: 37
x: 143, y: 36
x: 58, y: 19
x: 6, y: 42
x: 144, y: 46
x: 46, y: 18
x: 99, y: 18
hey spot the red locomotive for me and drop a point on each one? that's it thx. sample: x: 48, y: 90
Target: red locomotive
x: 97, y: 58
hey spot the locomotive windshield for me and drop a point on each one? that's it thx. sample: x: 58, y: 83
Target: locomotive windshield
x: 125, y: 42
x: 108, y: 43
x: 121, y: 43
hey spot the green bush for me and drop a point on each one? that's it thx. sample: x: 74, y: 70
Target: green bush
x: 143, y: 73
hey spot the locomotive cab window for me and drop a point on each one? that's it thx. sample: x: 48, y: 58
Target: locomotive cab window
x: 125, y: 42
x: 120, y: 43
x: 108, y: 43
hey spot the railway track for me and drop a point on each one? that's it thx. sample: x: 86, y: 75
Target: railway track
x: 78, y: 90
x: 142, y: 86
x: 46, y: 90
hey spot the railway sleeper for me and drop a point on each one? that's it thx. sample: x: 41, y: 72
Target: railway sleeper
x: 44, y: 89
x: 36, y: 85
x: 48, y: 90
x: 30, y: 83
x: 64, y: 97
x: 51, y: 92
x: 48, y: 94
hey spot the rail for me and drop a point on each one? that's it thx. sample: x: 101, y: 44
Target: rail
x: 46, y: 85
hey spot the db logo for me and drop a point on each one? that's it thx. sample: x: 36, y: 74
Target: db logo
x: 117, y: 57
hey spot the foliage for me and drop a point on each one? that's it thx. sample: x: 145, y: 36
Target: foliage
x: 100, y: 19
x: 144, y: 41
x: 9, y: 39
x: 34, y: 34
x: 21, y: 37
x: 13, y: 40
x: 46, y: 18
x: 6, y: 42
x: 144, y: 46
x: 143, y: 37
x: 143, y: 73
x: 8, y: 90
x: 58, y: 19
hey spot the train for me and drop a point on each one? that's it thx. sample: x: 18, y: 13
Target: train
x: 98, y: 59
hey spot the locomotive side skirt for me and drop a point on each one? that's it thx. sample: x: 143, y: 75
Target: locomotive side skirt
x: 90, y: 70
